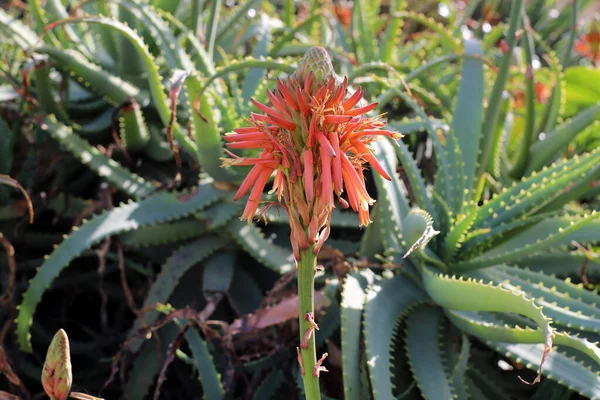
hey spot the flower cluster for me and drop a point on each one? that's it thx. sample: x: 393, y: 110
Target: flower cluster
x: 315, y: 141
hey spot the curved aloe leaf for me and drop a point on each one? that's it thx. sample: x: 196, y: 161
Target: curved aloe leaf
x: 423, y: 334
x: 161, y: 207
x: 130, y: 183
x: 383, y: 309
x: 465, y: 295
x: 467, y: 120
x: 353, y: 301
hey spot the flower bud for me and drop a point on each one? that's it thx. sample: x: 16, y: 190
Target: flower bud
x: 56, y: 374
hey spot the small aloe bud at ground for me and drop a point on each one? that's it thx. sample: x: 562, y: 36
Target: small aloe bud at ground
x: 417, y: 229
x: 57, y: 375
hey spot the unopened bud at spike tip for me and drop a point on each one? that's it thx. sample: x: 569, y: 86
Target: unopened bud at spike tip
x: 317, y: 61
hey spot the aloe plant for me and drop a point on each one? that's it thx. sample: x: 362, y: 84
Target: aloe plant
x: 470, y: 267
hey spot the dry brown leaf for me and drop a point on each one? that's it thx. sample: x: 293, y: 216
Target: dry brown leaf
x: 281, y: 312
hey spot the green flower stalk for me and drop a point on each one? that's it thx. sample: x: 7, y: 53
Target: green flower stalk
x: 316, y: 143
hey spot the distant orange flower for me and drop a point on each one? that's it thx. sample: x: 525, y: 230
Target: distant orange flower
x: 315, y: 142
x: 343, y: 11
x: 541, y: 95
x: 588, y: 46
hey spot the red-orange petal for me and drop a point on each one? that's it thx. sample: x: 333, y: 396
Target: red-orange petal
x: 375, y: 132
x: 307, y: 158
x: 248, y: 129
x: 336, y: 163
x: 325, y: 145
x: 272, y: 119
x: 337, y: 119
x: 339, y: 94
x: 287, y: 95
x: 248, y: 182
x: 326, y: 183
x: 256, y: 193
x: 304, y: 109
x: 266, y: 109
x: 361, y: 110
x: 364, y: 152
x: 278, y: 103
x: 248, y: 144
x: 240, y: 137
x: 353, y: 100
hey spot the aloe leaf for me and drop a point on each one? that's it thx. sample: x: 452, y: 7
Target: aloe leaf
x: 19, y: 32
x: 563, y: 232
x: 172, y: 271
x: 198, y: 53
x: 392, y: 202
x: 383, y: 309
x: 423, y: 332
x: 371, y: 243
x: 218, y: 272
x: 558, y: 367
x: 365, y: 43
x: 561, y: 264
x: 564, y: 303
x: 457, y: 363
x: 45, y: 93
x: 255, y: 76
x: 157, y: 89
x: 249, y: 62
x: 129, y: 62
x: 416, y: 180
x: 493, y: 108
x: 146, y: 364
x: 534, y: 192
x: 244, y: 295
x: 116, y: 90
x: 283, y: 41
x: 206, y: 131
x: 149, y: 17
x: 457, y: 235
x: 161, y: 207
x: 238, y: 14
x: 488, y: 328
x: 132, y: 184
x: 475, y: 242
x: 171, y: 232
x: 458, y: 294
x: 134, y: 132
x: 212, y: 387
x: 468, y: 114
x: 253, y: 241
x: 545, y: 150
x: 444, y: 36
x: 393, y: 32
x: 418, y: 230
x: 269, y: 385
x: 527, y: 135
x: 442, y: 180
x: 353, y: 301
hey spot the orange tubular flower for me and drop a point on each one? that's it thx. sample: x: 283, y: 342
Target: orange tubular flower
x: 588, y: 46
x: 315, y: 140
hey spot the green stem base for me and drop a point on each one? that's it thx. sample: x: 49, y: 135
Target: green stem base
x: 306, y: 295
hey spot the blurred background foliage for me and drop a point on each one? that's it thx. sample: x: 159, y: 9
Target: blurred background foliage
x: 111, y: 117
